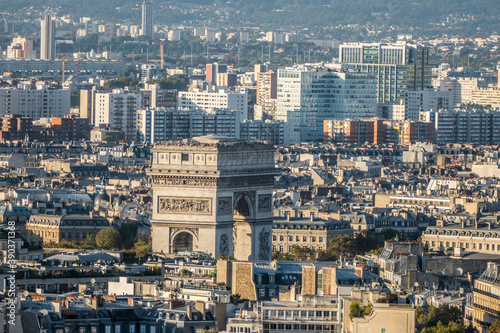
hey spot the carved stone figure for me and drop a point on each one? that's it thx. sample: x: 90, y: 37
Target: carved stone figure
x: 264, y: 203
x: 264, y: 249
x: 181, y: 205
x: 224, y: 244
x: 224, y: 206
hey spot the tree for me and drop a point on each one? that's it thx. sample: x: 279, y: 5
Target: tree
x: 121, y: 83
x: 494, y: 327
x: 108, y: 239
x: 143, y: 247
x: 89, y: 242
x: 283, y: 256
x: 128, y: 232
x: 223, y: 256
x: 303, y: 253
x: 355, y: 310
x: 440, y: 320
x: 170, y: 83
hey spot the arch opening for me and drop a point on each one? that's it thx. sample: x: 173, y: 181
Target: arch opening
x: 182, y: 242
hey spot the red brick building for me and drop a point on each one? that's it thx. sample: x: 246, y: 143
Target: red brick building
x: 69, y: 128
x: 377, y: 131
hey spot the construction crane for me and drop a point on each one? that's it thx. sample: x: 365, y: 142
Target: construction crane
x: 162, y: 43
x: 63, y: 69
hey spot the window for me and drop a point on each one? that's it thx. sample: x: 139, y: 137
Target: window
x: 304, y: 238
x: 185, y: 157
x: 272, y: 292
x: 281, y: 238
x: 262, y: 293
x: 382, y: 330
x: 131, y: 328
x: 118, y: 328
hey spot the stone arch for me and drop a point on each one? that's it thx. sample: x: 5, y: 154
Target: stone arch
x: 243, y: 206
x: 183, y: 240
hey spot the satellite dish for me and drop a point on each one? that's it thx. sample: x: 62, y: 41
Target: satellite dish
x: 157, y: 282
x: 92, y: 281
x: 416, y: 284
x: 459, y: 271
x: 426, y: 283
x: 446, y: 271
x: 23, y: 293
x: 371, y: 263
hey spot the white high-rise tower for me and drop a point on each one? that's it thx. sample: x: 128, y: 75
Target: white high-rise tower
x: 48, y: 38
x: 147, y: 18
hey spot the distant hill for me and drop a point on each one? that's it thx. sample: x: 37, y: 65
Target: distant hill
x: 466, y: 15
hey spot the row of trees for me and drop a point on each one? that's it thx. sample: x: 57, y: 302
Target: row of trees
x: 124, y: 238
x: 343, y: 245
x: 444, y: 319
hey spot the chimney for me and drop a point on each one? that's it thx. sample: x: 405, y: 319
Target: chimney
x: 131, y: 302
x: 359, y: 271
x: 463, y: 224
x: 189, y: 312
x: 458, y: 252
x: 440, y: 223
x: 293, y: 293
x: 57, y: 307
x: 312, y: 217
x: 287, y: 216
x: 200, y: 306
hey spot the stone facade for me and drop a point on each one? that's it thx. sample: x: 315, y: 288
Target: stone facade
x: 486, y: 305
x: 484, y: 238
x: 44, y: 229
x: 213, y: 194
x: 306, y: 232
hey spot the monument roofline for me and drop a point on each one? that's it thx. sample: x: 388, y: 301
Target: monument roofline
x: 214, y: 142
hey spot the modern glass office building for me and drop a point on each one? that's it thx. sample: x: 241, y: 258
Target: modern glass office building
x: 398, y: 67
x: 307, y: 96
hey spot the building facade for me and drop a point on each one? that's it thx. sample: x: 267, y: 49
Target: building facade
x: 398, y: 67
x: 44, y: 229
x: 483, y: 238
x: 307, y: 97
x: 118, y: 109
x: 486, y: 299
x: 147, y: 19
x: 48, y: 38
x: 233, y: 101
x: 464, y: 126
x: 426, y: 100
x: 41, y: 102
x: 377, y: 131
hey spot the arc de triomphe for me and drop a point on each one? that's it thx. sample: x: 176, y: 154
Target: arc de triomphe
x: 213, y: 194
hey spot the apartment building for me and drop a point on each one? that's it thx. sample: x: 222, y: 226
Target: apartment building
x: 222, y: 99
x: 308, y: 96
x: 398, y: 67
x: 377, y: 131
x: 34, y: 103
x: 118, y: 109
